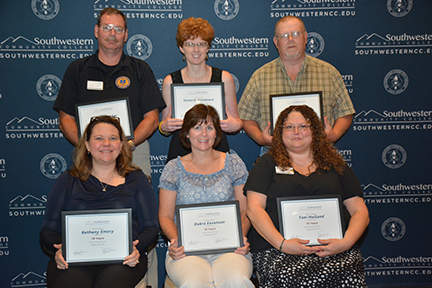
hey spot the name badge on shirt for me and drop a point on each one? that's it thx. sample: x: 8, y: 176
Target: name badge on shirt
x: 289, y: 171
x: 94, y: 85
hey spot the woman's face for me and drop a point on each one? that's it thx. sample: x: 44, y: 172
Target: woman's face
x: 297, y: 134
x: 104, y: 143
x: 202, y: 136
x: 195, y: 50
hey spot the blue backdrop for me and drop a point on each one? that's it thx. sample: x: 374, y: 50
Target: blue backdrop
x: 383, y: 49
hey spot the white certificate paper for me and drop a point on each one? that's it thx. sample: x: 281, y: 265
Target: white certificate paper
x: 96, y: 236
x: 116, y: 108
x: 185, y: 96
x: 278, y: 103
x: 310, y: 218
x: 209, y: 228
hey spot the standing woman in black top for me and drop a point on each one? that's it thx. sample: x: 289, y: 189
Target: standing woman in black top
x: 194, y: 38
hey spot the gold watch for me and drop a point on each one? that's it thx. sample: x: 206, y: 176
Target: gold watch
x: 132, y: 145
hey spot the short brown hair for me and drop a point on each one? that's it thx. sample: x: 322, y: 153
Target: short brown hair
x: 83, y: 160
x: 192, y: 28
x: 324, y: 155
x: 199, y: 114
x: 111, y: 11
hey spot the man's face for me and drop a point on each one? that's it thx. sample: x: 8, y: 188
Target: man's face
x: 290, y: 48
x: 110, y: 40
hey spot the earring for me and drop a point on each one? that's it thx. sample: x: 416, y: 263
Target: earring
x: 184, y: 58
x: 206, y: 57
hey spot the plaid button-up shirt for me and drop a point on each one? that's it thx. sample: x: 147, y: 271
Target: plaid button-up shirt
x: 272, y: 79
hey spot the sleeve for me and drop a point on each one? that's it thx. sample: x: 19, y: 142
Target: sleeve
x: 343, y: 104
x: 350, y: 184
x: 238, y: 170
x: 168, y: 179
x: 248, y: 106
x: 50, y: 232
x: 147, y: 214
x: 261, y: 175
x: 67, y: 96
x: 150, y: 94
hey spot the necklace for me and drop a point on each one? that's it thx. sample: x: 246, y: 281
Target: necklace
x: 103, y: 187
x: 106, y: 180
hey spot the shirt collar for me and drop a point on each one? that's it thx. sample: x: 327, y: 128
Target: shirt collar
x: 302, y: 69
x: 94, y: 61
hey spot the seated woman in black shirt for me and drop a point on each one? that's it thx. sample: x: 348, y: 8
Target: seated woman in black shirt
x: 103, y: 177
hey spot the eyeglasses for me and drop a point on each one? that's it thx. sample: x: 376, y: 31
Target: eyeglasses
x: 294, y: 35
x: 108, y: 27
x: 301, y: 128
x: 192, y: 45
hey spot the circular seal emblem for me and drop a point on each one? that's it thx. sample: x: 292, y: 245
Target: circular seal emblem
x: 45, y: 9
x: 399, y: 8
x: 52, y: 165
x: 393, y: 229
x: 236, y: 83
x: 139, y: 46
x: 394, y: 156
x: 315, y: 44
x: 226, y: 9
x: 396, y: 81
x: 48, y: 87
x: 122, y: 82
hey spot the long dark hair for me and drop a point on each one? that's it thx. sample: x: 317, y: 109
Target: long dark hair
x: 324, y: 155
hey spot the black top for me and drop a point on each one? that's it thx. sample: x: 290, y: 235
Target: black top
x: 264, y: 179
x: 131, y: 77
x: 71, y: 194
x: 176, y: 148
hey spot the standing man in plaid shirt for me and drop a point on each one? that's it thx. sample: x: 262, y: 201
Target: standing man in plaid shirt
x: 294, y: 72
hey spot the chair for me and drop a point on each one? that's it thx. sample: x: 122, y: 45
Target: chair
x: 150, y: 279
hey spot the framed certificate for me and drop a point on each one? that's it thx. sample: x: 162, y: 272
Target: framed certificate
x: 209, y: 228
x: 311, y: 218
x: 185, y: 96
x: 118, y: 108
x: 96, y: 236
x: 278, y: 103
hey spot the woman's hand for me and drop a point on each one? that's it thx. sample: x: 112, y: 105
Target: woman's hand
x: 169, y: 124
x: 231, y: 124
x: 58, y: 257
x: 174, y: 251
x: 245, y: 249
x: 133, y: 259
x: 331, y: 247
x: 298, y: 246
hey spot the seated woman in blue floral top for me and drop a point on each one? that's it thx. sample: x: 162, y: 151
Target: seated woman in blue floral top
x: 203, y: 176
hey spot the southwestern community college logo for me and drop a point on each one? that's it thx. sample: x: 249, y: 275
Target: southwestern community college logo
x: 394, y: 156
x: 393, y: 229
x: 48, y: 87
x: 52, y: 165
x: 45, y: 9
x: 139, y: 46
x: 315, y: 44
x: 236, y: 83
x: 226, y: 9
x: 396, y: 81
x: 399, y: 8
